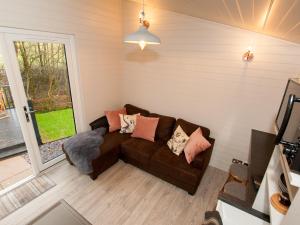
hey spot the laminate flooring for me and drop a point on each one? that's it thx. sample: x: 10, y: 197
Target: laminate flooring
x: 126, y: 195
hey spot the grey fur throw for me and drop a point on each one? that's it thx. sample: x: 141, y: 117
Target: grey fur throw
x: 84, y: 147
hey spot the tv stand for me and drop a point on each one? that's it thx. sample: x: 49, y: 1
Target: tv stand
x: 261, y: 148
x: 257, y: 209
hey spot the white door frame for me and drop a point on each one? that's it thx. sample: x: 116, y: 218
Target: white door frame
x: 18, y: 104
x: 7, y: 37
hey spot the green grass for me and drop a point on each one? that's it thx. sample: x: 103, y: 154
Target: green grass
x: 55, y: 125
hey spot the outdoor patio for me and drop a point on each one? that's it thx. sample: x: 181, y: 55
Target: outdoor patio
x: 10, y: 131
x: 12, y: 142
x: 15, y: 164
x: 11, y: 138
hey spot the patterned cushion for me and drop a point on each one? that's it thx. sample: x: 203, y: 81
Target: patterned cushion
x: 128, y: 123
x: 178, y: 141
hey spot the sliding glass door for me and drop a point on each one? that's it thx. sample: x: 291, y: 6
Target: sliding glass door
x: 44, y: 71
x: 15, y: 165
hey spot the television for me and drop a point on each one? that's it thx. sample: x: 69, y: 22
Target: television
x: 288, y: 117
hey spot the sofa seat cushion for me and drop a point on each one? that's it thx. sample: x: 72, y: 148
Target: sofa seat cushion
x: 172, y: 166
x: 112, y: 141
x: 139, y: 150
x: 198, y: 161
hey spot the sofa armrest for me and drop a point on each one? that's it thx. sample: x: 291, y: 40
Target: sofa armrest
x: 100, y: 122
x: 201, y: 161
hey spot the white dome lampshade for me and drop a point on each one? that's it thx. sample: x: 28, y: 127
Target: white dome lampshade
x: 142, y: 37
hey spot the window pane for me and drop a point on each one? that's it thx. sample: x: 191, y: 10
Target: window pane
x: 45, y: 78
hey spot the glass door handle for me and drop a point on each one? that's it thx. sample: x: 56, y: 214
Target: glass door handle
x: 26, y: 113
x: 32, y: 111
x: 30, y: 114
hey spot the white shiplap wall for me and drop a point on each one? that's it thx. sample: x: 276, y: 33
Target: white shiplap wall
x: 97, y: 28
x: 197, y: 73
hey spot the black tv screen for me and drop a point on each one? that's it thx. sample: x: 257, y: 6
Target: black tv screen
x: 292, y: 131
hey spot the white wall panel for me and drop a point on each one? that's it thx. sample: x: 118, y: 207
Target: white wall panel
x: 97, y: 28
x: 197, y: 73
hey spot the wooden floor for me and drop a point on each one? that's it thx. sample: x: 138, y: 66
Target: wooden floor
x: 124, y: 195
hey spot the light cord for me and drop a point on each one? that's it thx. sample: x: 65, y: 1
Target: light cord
x: 144, y: 7
x: 142, y: 13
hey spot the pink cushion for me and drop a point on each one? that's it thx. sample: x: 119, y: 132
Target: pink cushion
x: 145, y: 128
x: 113, y: 119
x: 196, y: 144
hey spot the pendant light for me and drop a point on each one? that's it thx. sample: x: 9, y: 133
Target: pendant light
x: 142, y: 36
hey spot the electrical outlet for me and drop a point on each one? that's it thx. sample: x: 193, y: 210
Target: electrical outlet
x: 237, y: 161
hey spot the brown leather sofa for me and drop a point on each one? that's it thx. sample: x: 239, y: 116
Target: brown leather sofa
x: 153, y: 157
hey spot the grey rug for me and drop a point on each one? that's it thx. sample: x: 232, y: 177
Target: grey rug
x: 20, y: 196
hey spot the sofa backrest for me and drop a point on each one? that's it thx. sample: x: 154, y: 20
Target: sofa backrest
x: 131, y: 109
x: 167, y: 124
x: 164, y: 128
x: 100, y: 122
x: 189, y: 128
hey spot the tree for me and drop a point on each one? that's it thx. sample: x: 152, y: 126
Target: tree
x: 44, y: 70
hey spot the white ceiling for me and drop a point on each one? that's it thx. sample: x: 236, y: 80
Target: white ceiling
x: 278, y: 18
